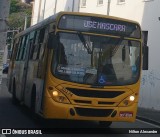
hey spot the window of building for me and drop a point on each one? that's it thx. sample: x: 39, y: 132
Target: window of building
x: 120, y: 1
x: 100, y: 2
x: 83, y: 3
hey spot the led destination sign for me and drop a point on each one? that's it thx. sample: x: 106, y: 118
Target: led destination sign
x: 99, y: 25
x: 105, y: 26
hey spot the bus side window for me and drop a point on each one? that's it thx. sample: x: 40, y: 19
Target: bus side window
x: 11, y: 54
x: 34, y: 48
x: 19, y: 47
x: 32, y: 44
x: 42, y: 47
x: 23, y: 48
x: 38, y: 43
x: 14, y: 49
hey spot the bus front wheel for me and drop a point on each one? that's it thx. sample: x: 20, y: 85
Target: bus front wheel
x: 105, y: 124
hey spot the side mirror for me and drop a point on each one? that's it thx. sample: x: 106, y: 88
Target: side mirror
x: 145, y: 50
x: 52, y: 41
x: 123, y: 53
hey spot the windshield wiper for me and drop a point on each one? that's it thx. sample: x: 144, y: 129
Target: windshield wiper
x: 81, y: 37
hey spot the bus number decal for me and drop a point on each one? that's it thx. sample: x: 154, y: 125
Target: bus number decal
x: 125, y: 114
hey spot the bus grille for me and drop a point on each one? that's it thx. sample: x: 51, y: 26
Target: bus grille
x: 95, y: 93
x: 90, y: 112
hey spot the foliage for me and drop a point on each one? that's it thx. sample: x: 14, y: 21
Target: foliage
x: 18, y: 11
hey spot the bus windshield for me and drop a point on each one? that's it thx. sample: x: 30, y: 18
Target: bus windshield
x: 110, y: 61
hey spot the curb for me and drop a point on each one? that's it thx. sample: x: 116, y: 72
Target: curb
x: 148, y: 120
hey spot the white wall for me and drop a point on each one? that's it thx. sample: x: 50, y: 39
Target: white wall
x: 150, y: 88
x: 49, y: 8
x: 93, y: 7
x: 45, y: 8
x: 35, y: 12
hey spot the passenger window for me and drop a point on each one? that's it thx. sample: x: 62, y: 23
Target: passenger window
x: 32, y: 43
x: 42, y: 48
x: 23, y: 48
x: 38, y: 43
x: 14, y: 49
x: 19, y: 47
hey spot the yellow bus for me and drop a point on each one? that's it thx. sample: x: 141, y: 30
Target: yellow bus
x: 78, y: 66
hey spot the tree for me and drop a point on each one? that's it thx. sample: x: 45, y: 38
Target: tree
x: 18, y: 11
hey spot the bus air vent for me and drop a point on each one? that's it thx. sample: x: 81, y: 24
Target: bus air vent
x: 83, y: 101
x: 95, y: 93
x: 93, y: 112
x: 105, y: 103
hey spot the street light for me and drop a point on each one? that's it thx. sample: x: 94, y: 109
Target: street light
x: 26, y: 20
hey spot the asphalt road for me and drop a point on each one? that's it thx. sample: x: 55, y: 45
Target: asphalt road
x: 12, y: 116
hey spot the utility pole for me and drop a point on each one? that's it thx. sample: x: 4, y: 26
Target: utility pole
x: 4, y: 12
x: 44, y: 8
x: 25, y: 22
x: 39, y: 10
x: 73, y: 5
x: 55, y: 7
x: 108, y: 7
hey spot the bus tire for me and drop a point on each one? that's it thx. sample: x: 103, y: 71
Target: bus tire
x: 15, y: 101
x: 105, y: 124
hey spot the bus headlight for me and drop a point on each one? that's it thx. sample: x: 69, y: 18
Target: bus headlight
x: 58, y: 96
x: 131, y: 98
x: 55, y: 93
x: 128, y: 101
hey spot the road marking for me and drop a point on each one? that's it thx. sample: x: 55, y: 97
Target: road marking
x: 148, y: 123
x: 2, y: 135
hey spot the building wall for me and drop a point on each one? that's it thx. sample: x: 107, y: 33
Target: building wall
x: 45, y: 8
x: 92, y: 6
x: 49, y: 8
x: 35, y: 12
x: 150, y: 89
x: 146, y: 12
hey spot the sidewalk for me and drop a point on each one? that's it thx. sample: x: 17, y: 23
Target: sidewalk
x: 149, y: 115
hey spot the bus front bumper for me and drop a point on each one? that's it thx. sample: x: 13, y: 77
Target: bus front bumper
x: 54, y: 110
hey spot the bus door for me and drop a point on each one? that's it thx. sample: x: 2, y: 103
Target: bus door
x: 11, y: 63
x: 30, y: 41
x: 36, y: 64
